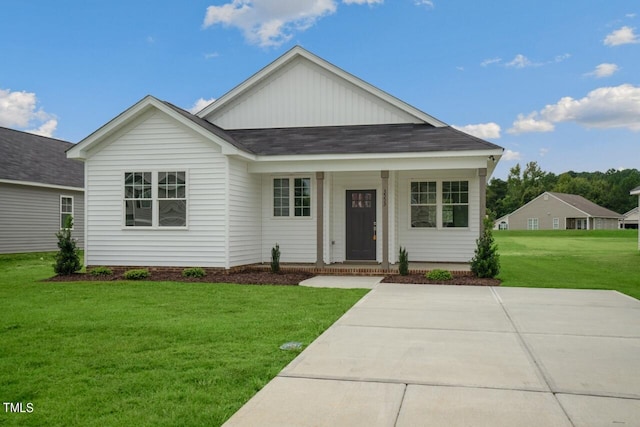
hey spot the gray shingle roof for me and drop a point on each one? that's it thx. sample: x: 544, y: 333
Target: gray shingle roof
x: 386, y: 138
x: 33, y: 158
x: 586, y: 206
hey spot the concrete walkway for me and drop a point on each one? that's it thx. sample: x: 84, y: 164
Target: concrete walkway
x: 409, y: 355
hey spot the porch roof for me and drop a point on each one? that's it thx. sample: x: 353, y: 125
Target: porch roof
x: 357, y: 139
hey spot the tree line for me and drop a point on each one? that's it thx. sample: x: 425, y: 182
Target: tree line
x: 609, y: 189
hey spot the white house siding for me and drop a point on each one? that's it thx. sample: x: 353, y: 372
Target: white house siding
x: 303, y: 94
x: 245, y: 220
x: 432, y: 244
x: 157, y: 143
x: 296, y: 236
x: 30, y: 217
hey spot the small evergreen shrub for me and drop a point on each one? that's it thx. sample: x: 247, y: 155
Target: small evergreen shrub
x: 68, y: 257
x: 101, y: 271
x: 438, y: 274
x: 486, y: 261
x: 403, y: 262
x: 136, y: 274
x: 195, y: 272
x: 275, y: 259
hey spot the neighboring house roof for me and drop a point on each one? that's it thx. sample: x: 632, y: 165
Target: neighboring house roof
x: 393, y: 138
x: 35, y: 159
x: 636, y: 191
x: 586, y: 206
x: 632, y: 214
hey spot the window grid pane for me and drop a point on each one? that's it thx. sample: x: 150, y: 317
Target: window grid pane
x: 423, y: 204
x: 172, y: 202
x: 302, y: 196
x: 455, y: 203
x: 138, y: 203
x: 281, y: 197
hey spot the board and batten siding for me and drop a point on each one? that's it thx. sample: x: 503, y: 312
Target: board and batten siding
x: 245, y: 215
x: 156, y: 143
x: 296, y: 236
x: 304, y: 94
x: 433, y: 244
x: 30, y: 218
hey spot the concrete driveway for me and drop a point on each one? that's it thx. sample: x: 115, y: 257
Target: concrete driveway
x: 413, y: 355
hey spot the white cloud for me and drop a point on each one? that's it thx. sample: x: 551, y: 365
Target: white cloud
x: 543, y: 152
x: 560, y: 58
x: 482, y: 130
x: 520, y: 61
x: 18, y: 110
x: 603, y: 70
x: 211, y: 55
x: 427, y: 3
x: 490, y: 61
x: 200, y: 104
x: 271, y: 22
x: 511, y: 155
x: 605, y: 107
x: 624, y: 35
x: 530, y: 123
x: 369, y: 2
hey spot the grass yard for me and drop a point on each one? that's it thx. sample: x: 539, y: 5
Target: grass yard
x: 594, y: 259
x: 145, y: 353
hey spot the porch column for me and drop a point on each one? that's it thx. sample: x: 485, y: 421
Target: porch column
x: 482, y: 176
x: 320, y: 220
x: 385, y: 220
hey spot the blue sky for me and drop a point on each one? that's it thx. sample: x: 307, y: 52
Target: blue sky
x: 557, y: 82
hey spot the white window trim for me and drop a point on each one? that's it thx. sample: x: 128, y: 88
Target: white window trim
x: 556, y: 223
x: 533, y: 221
x: 73, y: 202
x: 292, y: 202
x: 155, y: 201
x: 439, y: 204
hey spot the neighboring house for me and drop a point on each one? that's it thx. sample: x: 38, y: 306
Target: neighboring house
x: 39, y: 188
x: 301, y: 154
x: 559, y: 211
x: 630, y: 219
x: 636, y: 192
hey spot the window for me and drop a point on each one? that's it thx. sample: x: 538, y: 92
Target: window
x: 556, y: 223
x: 66, y: 210
x: 284, y: 195
x: 532, y: 223
x: 423, y: 204
x: 281, y: 197
x: 172, y: 199
x: 163, y: 192
x: 455, y: 203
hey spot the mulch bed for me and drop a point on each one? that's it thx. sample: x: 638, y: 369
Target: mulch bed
x: 242, y: 277
x: 420, y: 279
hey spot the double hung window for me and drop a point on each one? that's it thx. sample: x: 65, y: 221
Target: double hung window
x: 292, y: 197
x: 66, y: 210
x: 435, y: 204
x: 155, y: 199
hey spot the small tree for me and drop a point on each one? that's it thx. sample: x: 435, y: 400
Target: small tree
x: 486, y: 261
x: 275, y: 259
x: 67, y: 258
x: 403, y: 262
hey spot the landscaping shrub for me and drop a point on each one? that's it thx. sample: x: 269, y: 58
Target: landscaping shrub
x: 196, y: 272
x: 439, y: 275
x: 67, y: 258
x: 137, y: 274
x: 486, y: 261
x: 275, y: 259
x: 403, y: 262
x: 101, y: 271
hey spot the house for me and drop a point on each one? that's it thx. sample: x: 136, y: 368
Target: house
x: 636, y: 192
x: 559, y: 211
x: 39, y: 188
x: 302, y: 154
x: 630, y: 219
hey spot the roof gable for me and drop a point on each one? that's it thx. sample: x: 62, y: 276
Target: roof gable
x: 308, y: 91
x: 586, y: 206
x: 30, y: 158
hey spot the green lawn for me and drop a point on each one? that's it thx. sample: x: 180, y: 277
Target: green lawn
x: 595, y: 259
x: 145, y: 353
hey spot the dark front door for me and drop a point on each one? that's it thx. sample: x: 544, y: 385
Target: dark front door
x: 361, y: 223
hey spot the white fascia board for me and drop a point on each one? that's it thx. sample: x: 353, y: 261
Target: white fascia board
x: 383, y: 156
x: 370, y: 164
x: 635, y: 192
x: 40, y: 185
x: 82, y: 149
x: 299, y: 51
